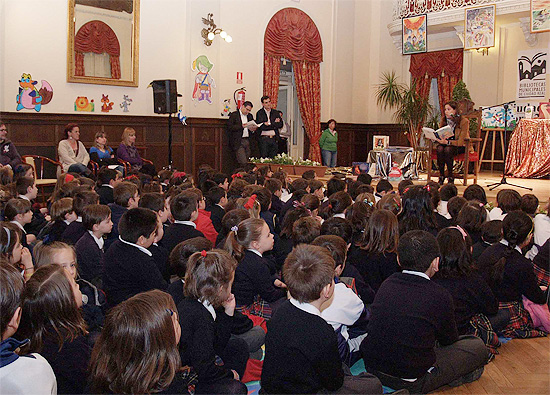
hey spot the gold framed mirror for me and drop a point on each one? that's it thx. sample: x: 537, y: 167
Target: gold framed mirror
x: 103, y: 42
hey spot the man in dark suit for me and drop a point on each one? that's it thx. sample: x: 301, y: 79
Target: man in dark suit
x: 239, y: 134
x: 271, y: 122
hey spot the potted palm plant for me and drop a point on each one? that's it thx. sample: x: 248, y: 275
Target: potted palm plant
x: 412, y: 109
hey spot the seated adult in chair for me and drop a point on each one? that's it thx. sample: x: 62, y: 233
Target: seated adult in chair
x: 127, y: 152
x: 447, y: 149
x: 72, y: 154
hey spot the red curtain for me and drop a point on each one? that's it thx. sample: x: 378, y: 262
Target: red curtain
x: 446, y: 66
x: 308, y: 86
x: 292, y: 34
x: 97, y: 37
x: 272, y: 70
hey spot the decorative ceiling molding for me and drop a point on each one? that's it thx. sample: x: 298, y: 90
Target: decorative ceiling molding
x: 459, y: 31
x: 457, y: 14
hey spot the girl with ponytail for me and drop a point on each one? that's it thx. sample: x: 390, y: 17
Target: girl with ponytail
x: 255, y: 290
x: 510, y: 275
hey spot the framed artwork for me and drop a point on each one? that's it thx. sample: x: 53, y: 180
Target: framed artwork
x: 544, y: 110
x: 540, y: 16
x: 380, y: 142
x: 479, y: 27
x: 414, y: 30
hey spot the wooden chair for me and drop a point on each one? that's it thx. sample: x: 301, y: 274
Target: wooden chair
x: 467, y: 157
x: 38, y: 164
x: 128, y: 167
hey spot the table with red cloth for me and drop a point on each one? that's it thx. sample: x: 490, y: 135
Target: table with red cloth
x: 529, y: 149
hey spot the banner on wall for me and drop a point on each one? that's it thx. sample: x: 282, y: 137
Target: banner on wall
x: 532, y: 73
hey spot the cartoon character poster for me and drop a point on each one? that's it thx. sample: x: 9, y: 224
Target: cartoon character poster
x: 203, y: 82
x: 479, y: 27
x: 415, y: 34
x: 31, y: 98
x: 532, y: 73
x: 540, y: 16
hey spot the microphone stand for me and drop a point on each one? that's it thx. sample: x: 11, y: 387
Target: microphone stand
x: 503, y: 181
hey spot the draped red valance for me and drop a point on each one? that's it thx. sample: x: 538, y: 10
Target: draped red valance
x: 434, y: 63
x: 97, y: 37
x: 292, y: 34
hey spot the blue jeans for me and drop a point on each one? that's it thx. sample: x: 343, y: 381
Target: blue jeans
x: 329, y: 158
x: 80, y: 169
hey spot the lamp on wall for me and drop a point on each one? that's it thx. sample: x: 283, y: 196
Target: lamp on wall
x: 484, y: 51
x: 209, y: 32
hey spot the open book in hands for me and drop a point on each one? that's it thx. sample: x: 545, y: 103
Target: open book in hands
x: 440, y: 134
x: 253, y: 123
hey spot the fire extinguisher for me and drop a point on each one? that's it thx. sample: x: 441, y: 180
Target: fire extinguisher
x: 239, y: 97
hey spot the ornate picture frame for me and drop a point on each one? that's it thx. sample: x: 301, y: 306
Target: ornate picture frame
x: 539, y: 14
x: 380, y: 143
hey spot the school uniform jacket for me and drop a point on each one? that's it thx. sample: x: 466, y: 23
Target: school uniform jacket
x: 216, y: 216
x: 176, y: 233
x: 73, y: 232
x: 252, y: 277
x: 89, y: 258
x: 117, y: 212
x: 129, y: 271
x: 105, y: 194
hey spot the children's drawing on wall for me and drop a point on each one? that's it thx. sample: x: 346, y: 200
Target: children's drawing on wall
x: 203, y: 81
x: 126, y: 101
x: 479, y: 28
x: 106, y: 105
x: 414, y: 34
x: 83, y: 104
x: 540, y: 16
x: 30, y: 97
x: 181, y: 117
x: 226, y: 108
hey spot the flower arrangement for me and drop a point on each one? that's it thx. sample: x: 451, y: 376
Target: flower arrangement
x: 285, y: 159
x: 306, y: 162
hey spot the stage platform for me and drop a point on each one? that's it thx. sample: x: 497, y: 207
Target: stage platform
x: 541, y: 187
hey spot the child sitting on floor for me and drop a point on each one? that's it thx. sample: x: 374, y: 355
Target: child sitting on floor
x: 185, y: 210
x: 76, y: 229
x: 255, y: 290
x: 301, y: 351
x: 13, y: 251
x: 206, y: 317
x: 18, y: 212
x: 19, y: 373
x: 62, y: 214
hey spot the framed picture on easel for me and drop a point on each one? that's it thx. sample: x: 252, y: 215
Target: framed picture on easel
x: 479, y: 27
x: 540, y: 16
x: 380, y: 143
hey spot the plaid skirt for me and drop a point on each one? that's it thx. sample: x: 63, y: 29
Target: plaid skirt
x: 520, y: 325
x: 259, y: 307
x: 482, y: 328
x: 543, y: 276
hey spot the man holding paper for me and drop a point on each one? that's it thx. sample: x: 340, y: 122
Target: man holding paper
x: 240, y: 127
x: 270, y: 122
x: 451, y: 138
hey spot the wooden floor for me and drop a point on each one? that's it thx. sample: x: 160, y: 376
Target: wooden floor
x: 522, y: 367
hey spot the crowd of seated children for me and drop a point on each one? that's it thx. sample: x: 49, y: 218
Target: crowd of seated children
x: 410, y: 313
x: 301, y: 351
x: 383, y: 187
x: 491, y: 233
x: 256, y: 290
x: 206, y: 317
x: 417, y: 211
x: 231, y: 219
x: 20, y: 373
x: 471, y: 218
x: 345, y: 312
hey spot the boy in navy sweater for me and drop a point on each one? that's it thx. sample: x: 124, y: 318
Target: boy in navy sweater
x: 129, y: 266
x: 301, y: 351
x: 409, y: 314
x: 185, y: 210
x: 76, y: 229
x: 126, y: 196
x: 89, y: 248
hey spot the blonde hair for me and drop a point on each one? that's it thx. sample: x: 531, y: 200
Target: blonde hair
x: 126, y: 134
x: 98, y: 135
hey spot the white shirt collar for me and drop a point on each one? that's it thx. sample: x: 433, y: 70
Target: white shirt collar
x: 307, y: 307
x: 100, y: 242
x: 67, y: 222
x: 219, y: 205
x: 420, y: 274
x: 191, y: 223
x: 256, y: 252
x: 505, y: 242
x: 210, y: 308
x: 78, y: 219
x: 20, y: 226
x: 340, y: 215
x: 142, y: 249
x: 108, y: 185
x: 24, y: 197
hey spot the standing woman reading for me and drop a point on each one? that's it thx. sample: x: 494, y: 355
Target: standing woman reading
x: 449, y: 148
